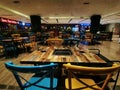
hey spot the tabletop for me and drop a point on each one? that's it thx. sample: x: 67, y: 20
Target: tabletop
x: 48, y: 54
x: 14, y: 39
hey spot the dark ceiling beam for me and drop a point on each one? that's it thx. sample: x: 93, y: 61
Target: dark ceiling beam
x: 116, y: 13
x: 70, y: 20
x: 44, y: 20
x: 110, y: 19
x: 83, y: 20
x: 57, y: 20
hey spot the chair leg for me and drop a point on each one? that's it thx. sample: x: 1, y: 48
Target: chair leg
x: 116, y: 80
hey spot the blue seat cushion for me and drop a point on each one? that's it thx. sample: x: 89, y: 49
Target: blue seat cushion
x: 45, y: 82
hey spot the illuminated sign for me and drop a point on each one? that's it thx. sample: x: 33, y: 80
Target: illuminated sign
x: 3, y: 20
x: 8, y: 21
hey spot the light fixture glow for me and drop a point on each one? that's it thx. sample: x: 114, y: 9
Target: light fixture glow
x: 66, y: 17
x: 62, y: 17
x: 14, y: 11
x: 23, y: 23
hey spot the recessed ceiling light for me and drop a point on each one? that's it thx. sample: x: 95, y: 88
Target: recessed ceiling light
x: 16, y: 1
x: 86, y: 3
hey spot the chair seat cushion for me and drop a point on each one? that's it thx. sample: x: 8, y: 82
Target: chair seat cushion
x: 76, y: 84
x: 45, y: 82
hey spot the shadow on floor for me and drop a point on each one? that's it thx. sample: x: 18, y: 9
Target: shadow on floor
x: 8, y: 87
x: 117, y: 87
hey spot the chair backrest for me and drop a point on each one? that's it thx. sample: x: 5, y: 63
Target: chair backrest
x: 84, y: 70
x: 15, y: 35
x: 88, y: 37
x: 54, y: 41
x: 32, y: 38
x: 17, y: 69
x: 8, y: 42
x: 51, y: 34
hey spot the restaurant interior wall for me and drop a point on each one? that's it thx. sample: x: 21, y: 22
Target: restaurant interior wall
x: 110, y: 31
x: 115, y: 29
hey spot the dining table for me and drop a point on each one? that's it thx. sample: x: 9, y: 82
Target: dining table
x: 14, y: 39
x: 75, y: 55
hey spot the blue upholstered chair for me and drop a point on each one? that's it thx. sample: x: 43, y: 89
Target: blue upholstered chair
x: 39, y: 81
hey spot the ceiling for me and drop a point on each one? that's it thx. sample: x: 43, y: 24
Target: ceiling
x: 61, y: 11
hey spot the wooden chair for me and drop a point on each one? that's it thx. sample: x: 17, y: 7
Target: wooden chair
x: 60, y: 35
x: 74, y: 82
x: 1, y: 50
x: 51, y: 34
x: 65, y: 35
x: 38, y: 79
x: 1, y: 46
x: 31, y: 44
x: 15, y: 35
x: 54, y: 41
x: 10, y: 49
x: 18, y: 41
x: 77, y: 34
x: 88, y: 37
